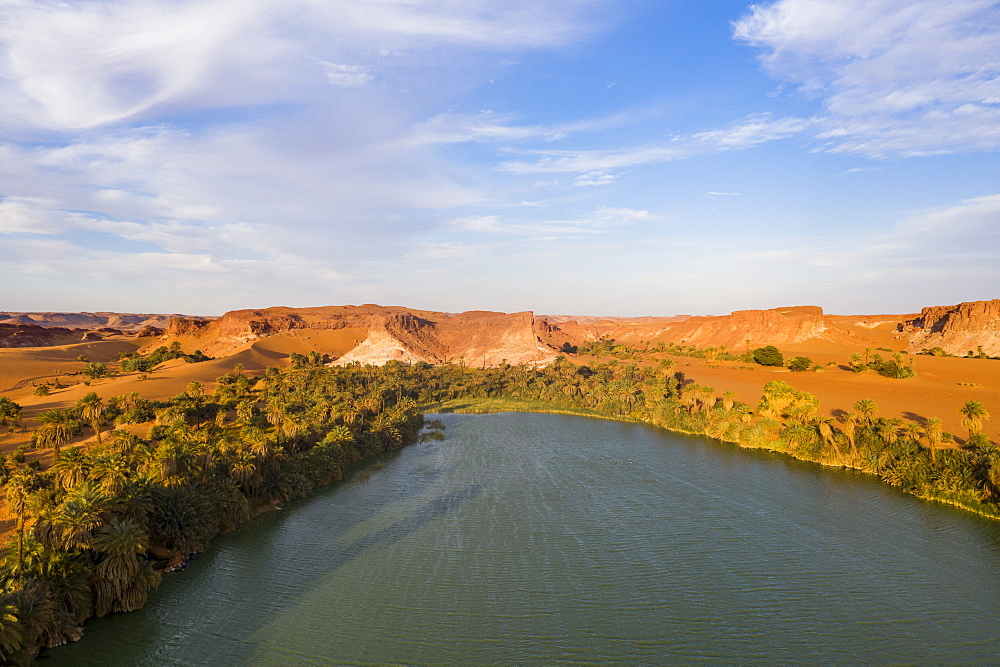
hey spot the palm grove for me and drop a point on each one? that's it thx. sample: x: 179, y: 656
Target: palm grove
x: 88, y: 528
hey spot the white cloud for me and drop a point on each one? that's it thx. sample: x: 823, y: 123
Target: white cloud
x: 594, y: 178
x: 747, y: 133
x: 29, y: 215
x: 895, y: 77
x: 971, y: 227
x: 350, y: 76
x: 83, y: 65
x: 603, y: 220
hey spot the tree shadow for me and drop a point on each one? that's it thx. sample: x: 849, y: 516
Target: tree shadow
x: 913, y: 416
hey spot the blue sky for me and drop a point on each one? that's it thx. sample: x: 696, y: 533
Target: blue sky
x: 630, y: 157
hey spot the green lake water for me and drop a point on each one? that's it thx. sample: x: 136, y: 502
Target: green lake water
x: 547, y: 539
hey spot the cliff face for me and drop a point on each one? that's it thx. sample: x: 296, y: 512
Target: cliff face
x: 778, y: 326
x: 102, y: 320
x: 32, y: 335
x: 474, y: 338
x: 402, y: 334
x: 956, y: 329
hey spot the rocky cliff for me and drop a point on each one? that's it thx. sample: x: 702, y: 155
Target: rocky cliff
x: 131, y: 322
x: 777, y: 326
x: 391, y: 332
x: 969, y: 326
x: 32, y: 335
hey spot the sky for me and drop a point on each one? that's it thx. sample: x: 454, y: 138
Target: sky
x: 592, y: 157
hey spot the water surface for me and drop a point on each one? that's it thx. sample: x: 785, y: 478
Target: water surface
x: 546, y: 539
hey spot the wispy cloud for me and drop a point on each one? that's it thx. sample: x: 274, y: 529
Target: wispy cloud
x: 747, y: 133
x: 894, y: 77
x: 345, y: 75
x: 69, y: 66
x: 603, y: 220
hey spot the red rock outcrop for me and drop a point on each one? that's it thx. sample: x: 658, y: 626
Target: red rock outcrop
x: 99, y: 320
x: 777, y: 326
x: 969, y: 326
x: 392, y: 333
x: 32, y: 335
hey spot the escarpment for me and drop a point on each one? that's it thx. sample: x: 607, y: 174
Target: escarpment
x: 972, y: 326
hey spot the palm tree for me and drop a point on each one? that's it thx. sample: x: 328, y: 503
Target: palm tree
x: 866, y: 410
x: 16, y: 495
x: 56, y: 429
x: 888, y: 430
x: 119, y: 544
x: 111, y: 471
x: 11, y: 638
x: 79, y: 517
x: 72, y: 468
x: 9, y: 411
x: 93, y: 412
x: 973, y: 415
x: 935, y: 435
x: 848, y: 428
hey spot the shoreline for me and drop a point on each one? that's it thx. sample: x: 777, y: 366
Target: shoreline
x: 484, y: 408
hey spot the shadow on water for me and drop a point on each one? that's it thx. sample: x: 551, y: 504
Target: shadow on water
x: 305, y: 530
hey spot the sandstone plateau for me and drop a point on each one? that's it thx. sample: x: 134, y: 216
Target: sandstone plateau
x: 376, y: 334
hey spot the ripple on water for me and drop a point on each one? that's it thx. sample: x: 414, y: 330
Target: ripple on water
x: 531, y: 539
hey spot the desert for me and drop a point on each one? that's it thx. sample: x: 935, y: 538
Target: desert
x: 373, y: 334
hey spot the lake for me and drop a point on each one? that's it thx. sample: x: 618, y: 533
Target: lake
x: 551, y: 539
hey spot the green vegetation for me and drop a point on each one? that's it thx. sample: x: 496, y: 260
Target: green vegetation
x: 95, y: 370
x: 87, y: 529
x: 133, y: 362
x: 768, y: 355
x: 9, y: 411
x: 897, y: 367
x: 800, y: 364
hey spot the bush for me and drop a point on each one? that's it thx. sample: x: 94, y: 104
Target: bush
x: 42, y: 390
x: 799, y: 364
x: 96, y: 370
x: 768, y: 355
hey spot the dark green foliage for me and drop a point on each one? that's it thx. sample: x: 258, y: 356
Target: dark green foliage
x: 799, y: 364
x: 768, y: 355
x: 896, y: 367
x: 95, y: 370
x: 312, y: 360
x: 9, y: 411
x: 214, y: 460
x: 89, y: 521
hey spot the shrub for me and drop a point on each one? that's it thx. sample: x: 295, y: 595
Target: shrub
x: 94, y: 370
x: 799, y: 364
x: 768, y: 355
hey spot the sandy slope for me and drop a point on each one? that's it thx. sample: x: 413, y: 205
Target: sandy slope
x: 935, y: 392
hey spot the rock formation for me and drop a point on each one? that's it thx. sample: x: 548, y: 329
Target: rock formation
x: 120, y: 321
x: 390, y: 332
x: 32, y: 335
x: 969, y: 326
